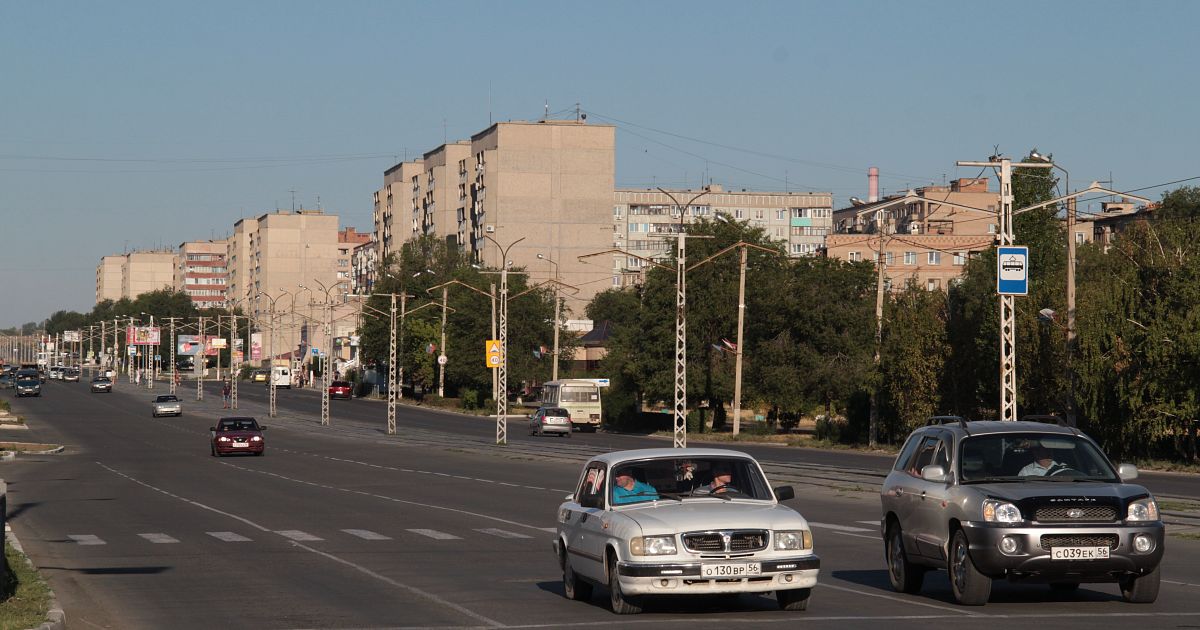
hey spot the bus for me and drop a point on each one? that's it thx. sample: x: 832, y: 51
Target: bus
x: 580, y: 397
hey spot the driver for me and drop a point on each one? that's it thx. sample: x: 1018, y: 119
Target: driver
x: 722, y: 474
x: 626, y: 489
x: 1043, y: 463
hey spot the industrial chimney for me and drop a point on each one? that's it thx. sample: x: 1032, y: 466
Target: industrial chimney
x: 873, y: 184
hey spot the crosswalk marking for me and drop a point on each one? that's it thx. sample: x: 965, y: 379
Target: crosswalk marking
x: 298, y: 535
x: 228, y: 536
x: 366, y: 534
x: 161, y: 539
x: 492, y: 531
x: 839, y: 528
x: 86, y: 539
x: 435, y: 534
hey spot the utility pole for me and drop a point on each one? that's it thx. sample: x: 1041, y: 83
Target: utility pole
x: 234, y: 361
x: 737, y: 364
x: 881, y: 265
x: 502, y: 370
x: 391, y: 404
x: 442, y: 359
x: 174, y: 367
x: 202, y: 364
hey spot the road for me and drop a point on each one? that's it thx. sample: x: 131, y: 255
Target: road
x: 136, y: 526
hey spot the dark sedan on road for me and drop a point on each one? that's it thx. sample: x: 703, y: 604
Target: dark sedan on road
x: 341, y: 389
x: 101, y: 384
x: 237, y: 435
x: 29, y: 387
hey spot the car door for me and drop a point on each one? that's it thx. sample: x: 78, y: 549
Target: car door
x: 930, y: 500
x: 582, y: 524
x: 903, y: 490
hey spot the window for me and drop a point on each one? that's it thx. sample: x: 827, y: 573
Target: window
x: 617, y: 212
x: 1079, y: 238
x: 591, y: 486
x: 739, y: 214
x: 932, y: 284
x: 758, y: 213
x: 910, y: 258
x: 855, y: 256
x: 889, y: 259
x: 781, y: 214
x: 934, y: 258
x: 991, y: 228
x: 616, y: 281
x: 960, y: 258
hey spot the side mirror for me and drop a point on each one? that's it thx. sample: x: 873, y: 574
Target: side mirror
x: 262, y: 428
x: 785, y: 493
x: 569, y: 497
x: 212, y: 428
x: 1127, y: 472
x: 933, y: 473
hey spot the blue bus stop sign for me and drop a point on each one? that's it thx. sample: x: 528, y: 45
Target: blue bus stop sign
x: 1012, y: 270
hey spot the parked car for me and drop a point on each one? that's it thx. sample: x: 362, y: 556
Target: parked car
x: 1027, y: 501
x: 258, y: 376
x: 7, y: 381
x: 341, y: 389
x: 682, y: 522
x: 101, y: 384
x: 28, y: 387
x: 550, y: 420
x: 240, y: 434
x: 71, y: 375
x: 167, y: 405
x: 55, y: 372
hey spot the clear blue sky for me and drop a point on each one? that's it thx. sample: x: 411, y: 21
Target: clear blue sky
x: 137, y: 124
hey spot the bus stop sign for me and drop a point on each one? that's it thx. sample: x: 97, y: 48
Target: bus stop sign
x: 1012, y: 270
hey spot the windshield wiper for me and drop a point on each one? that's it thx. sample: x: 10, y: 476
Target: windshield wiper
x: 993, y: 480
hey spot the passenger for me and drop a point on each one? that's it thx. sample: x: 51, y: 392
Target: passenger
x: 626, y: 489
x: 1043, y: 464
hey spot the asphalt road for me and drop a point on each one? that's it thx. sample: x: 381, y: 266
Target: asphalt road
x: 136, y: 526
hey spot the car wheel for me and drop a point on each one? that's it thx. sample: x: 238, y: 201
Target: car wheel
x: 621, y: 604
x: 573, y: 587
x: 794, y: 599
x: 905, y: 576
x: 970, y: 587
x: 1141, y: 589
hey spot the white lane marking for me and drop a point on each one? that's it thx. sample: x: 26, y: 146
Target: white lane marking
x: 876, y: 537
x: 552, y: 530
x: 297, y: 535
x: 875, y: 523
x: 839, y: 528
x: 897, y: 599
x: 427, y: 472
x: 366, y: 534
x: 411, y: 589
x: 228, y: 536
x: 1180, y: 583
x: 161, y: 539
x: 434, y: 534
x: 86, y: 539
x: 501, y: 533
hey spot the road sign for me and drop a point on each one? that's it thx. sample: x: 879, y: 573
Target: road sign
x: 316, y: 351
x: 491, y: 352
x: 1012, y: 270
x: 442, y: 359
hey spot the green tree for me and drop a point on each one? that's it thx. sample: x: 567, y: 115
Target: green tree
x: 913, y: 359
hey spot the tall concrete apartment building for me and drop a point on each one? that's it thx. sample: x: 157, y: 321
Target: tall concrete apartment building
x: 132, y: 274
x: 923, y: 242
x: 202, y: 273
x: 350, y: 241
x: 642, y: 218
x: 548, y: 184
x: 277, y: 265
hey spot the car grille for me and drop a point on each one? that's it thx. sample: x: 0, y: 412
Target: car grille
x: 726, y: 540
x: 1079, y: 540
x: 1075, y: 514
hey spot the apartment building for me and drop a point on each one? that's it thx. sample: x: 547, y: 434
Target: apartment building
x: 363, y: 262
x: 350, y: 241
x: 1114, y: 216
x: 547, y: 184
x: 202, y: 272
x: 926, y: 241
x: 642, y: 218
x: 132, y: 274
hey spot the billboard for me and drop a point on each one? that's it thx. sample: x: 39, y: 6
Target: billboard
x: 143, y: 335
x: 256, y: 353
x: 71, y: 335
x: 187, y: 345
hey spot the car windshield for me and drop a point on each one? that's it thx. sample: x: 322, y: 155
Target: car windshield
x: 166, y: 399
x: 723, y: 478
x: 557, y: 412
x: 340, y: 384
x: 100, y: 379
x: 1026, y: 456
x: 245, y: 424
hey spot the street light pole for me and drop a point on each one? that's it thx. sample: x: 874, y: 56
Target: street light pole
x: 502, y: 375
x: 442, y: 358
x: 557, y: 306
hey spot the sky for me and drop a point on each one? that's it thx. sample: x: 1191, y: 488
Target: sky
x: 143, y: 124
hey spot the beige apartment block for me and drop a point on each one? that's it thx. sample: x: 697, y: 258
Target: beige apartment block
x: 350, y: 241
x: 925, y: 242
x: 108, y: 278
x: 132, y: 274
x: 363, y: 260
x: 202, y: 273
x: 400, y: 196
x: 644, y: 220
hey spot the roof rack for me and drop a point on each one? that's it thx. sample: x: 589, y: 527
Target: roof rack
x: 1048, y: 419
x: 935, y: 420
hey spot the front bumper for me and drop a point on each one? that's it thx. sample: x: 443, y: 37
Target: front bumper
x: 684, y: 578
x: 556, y: 428
x: 168, y: 411
x: 105, y: 388
x: 253, y: 447
x: 28, y: 392
x: 1031, y: 562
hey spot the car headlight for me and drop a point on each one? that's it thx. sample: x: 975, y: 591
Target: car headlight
x: 1000, y: 512
x: 222, y: 439
x: 1143, y: 510
x: 652, y: 546
x: 256, y: 438
x: 797, y: 540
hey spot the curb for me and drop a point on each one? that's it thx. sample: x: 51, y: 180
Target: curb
x: 50, y: 451
x: 56, y: 619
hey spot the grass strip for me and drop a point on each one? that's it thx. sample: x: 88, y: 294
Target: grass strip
x: 24, y: 595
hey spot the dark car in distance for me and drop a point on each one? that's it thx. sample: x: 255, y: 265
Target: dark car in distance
x: 28, y: 387
x: 341, y: 389
x: 240, y: 434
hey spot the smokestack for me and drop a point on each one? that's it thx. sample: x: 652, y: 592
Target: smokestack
x: 873, y: 184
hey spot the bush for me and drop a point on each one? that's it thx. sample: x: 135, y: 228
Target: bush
x: 470, y: 398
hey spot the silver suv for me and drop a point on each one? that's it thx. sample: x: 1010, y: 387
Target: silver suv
x: 1027, y: 501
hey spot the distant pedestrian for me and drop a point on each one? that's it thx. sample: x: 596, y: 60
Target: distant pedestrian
x: 225, y: 395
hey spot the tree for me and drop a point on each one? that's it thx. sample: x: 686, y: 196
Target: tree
x: 913, y: 358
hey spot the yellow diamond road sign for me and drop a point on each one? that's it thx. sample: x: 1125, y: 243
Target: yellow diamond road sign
x: 491, y: 351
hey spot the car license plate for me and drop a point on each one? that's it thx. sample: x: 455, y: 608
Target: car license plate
x: 1079, y: 553
x: 741, y: 569
x: 240, y: 444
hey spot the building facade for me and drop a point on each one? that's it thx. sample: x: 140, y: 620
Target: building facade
x: 927, y: 241
x: 134, y: 273
x: 108, y: 278
x: 202, y: 272
x: 643, y: 221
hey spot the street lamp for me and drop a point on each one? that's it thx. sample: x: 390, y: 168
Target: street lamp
x: 502, y: 394
x: 557, y: 306
x: 270, y: 352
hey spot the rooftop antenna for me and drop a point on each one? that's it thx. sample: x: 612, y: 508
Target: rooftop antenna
x: 443, y: 131
x: 577, y: 114
x: 489, y: 103
x: 293, y: 191
x: 318, y: 202
x: 546, y: 110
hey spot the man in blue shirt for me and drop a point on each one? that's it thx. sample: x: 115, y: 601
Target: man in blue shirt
x: 626, y: 489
